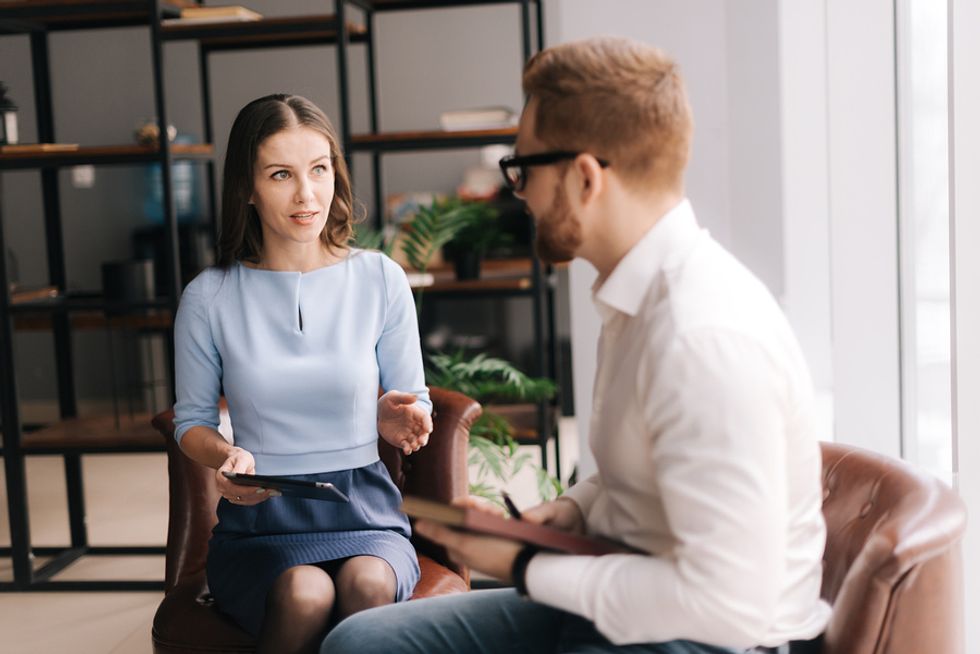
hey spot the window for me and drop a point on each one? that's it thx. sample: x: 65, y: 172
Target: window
x: 924, y: 234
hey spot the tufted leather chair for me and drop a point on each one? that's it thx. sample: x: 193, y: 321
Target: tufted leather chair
x: 892, y: 568
x: 187, y: 622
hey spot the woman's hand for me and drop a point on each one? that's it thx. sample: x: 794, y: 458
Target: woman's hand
x: 402, y: 422
x: 240, y: 461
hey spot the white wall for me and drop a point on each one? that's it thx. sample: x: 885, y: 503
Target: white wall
x: 729, y: 60
x: 805, y: 208
x: 964, y: 17
x: 863, y: 223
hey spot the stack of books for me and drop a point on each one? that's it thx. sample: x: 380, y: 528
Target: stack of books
x: 479, y: 118
x: 38, y: 148
x: 225, y: 14
x: 21, y: 294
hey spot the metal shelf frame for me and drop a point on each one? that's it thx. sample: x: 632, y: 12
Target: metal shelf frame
x: 542, y: 288
x: 101, y: 156
x: 38, y: 18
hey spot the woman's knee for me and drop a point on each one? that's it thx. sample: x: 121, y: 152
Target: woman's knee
x: 367, y: 580
x: 303, y: 588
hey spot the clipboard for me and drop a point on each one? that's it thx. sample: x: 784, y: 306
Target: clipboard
x: 315, y: 490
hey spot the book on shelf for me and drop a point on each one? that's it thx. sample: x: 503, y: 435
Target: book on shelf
x: 477, y: 118
x: 420, y: 279
x: 21, y: 294
x: 38, y: 148
x: 483, y: 522
x: 224, y: 14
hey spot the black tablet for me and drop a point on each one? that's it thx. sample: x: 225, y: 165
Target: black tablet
x: 317, y: 490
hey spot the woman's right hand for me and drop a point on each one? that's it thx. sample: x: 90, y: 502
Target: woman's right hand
x: 562, y: 513
x: 240, y: 461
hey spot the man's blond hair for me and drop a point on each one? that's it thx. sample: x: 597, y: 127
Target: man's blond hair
x: 617, y: 99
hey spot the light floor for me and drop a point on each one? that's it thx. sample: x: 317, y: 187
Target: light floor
x: 126, y: 501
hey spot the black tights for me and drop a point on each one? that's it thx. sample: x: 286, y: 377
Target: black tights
x: 305, y: 599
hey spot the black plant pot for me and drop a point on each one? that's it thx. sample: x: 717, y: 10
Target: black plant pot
x: 467, y: 264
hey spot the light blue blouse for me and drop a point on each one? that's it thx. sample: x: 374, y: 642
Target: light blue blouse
x: 299, y: 357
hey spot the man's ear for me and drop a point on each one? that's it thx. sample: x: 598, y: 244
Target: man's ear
x: 589, y: 178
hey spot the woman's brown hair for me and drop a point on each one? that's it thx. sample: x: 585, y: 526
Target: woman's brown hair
x: 240, y: 237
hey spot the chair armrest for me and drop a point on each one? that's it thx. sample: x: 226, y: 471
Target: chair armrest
x: 193, y: 504
x: 439, y: 470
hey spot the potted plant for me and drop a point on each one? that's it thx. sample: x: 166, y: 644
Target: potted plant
x: 493, y: 449
x: 431, y: 228
x: 477, y: 234
x: 367, y: 238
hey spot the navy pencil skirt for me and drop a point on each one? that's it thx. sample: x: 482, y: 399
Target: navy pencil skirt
x: 252, y: 545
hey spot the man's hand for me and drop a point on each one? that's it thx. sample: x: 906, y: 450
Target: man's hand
x: 562, y: 513
x: 240, y: 461
x: 402, y: 422
x: 491, y: 556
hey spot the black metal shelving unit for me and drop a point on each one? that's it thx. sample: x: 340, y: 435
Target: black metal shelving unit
x: 72, y: 436
x: 539, y: 281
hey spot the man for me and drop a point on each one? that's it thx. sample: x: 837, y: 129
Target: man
x: 702, y: 424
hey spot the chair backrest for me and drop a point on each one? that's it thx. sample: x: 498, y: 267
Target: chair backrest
x: 892, y: 568
x: 437, y: 471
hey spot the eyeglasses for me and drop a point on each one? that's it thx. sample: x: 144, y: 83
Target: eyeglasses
x: 514, y: 167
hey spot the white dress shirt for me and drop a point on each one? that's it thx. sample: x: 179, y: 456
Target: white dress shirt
x: 703, y: 435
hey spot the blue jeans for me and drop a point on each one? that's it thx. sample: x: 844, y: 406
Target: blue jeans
x: 482, y: 622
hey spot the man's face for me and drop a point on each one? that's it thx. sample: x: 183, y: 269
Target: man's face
x: 558, y: 230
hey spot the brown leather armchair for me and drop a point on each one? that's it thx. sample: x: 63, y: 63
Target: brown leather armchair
x: 892, y: 568
x: 186, y: 621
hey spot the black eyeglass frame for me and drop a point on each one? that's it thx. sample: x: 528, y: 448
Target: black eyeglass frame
x: 538, y: 159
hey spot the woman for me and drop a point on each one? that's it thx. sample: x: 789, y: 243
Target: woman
x: 299, y: 331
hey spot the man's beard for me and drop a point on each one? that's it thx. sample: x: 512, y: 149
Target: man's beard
x: 558, y: 233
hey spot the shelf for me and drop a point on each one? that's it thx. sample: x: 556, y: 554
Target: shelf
x: 401, y: 5
x: 102, y: 155
x: 23, y: 16
x: 31, y: 295
x: 89, y: 311
x: 264, y: 33
x: 497, y: 276
x: 95, y: 434
x: 84, y: 301
x: 431, y: 140
x: 523, y: 418
x: 90, y: 320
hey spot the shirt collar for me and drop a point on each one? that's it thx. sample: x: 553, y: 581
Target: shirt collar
x: 626, y: 286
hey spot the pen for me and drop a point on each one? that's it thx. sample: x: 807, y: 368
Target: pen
x: 511, y: 507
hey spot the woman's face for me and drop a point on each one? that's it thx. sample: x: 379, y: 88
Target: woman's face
x: 293, y: 184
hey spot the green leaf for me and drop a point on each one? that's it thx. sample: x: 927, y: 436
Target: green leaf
x: 435, y: 225
x: 367, y: 238
x: 486, y: 378
x: 492, y: 455
x: 488, y: 492
x: 493, y: 427
x: 548, y: 487
x: 518, y: 462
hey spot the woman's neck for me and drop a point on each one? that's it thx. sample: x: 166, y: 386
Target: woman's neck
x: 306, y: 261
